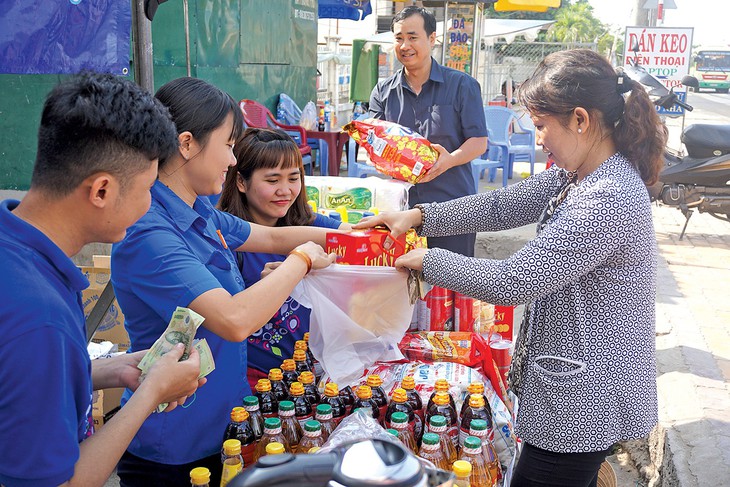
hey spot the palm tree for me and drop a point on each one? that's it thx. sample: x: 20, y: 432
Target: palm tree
x: 576, y: 23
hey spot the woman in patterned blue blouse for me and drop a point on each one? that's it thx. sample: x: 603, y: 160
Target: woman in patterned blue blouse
x: 584, y: 363
x: 266, y: 187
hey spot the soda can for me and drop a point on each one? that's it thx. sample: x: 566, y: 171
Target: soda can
x: 466, y: 313
x: 439, y: 309
x: 502, y: 356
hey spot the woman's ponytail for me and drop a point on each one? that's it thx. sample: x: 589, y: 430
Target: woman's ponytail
x: 639, y: 134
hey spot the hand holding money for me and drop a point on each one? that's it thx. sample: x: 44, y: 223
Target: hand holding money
x: 181, y: 330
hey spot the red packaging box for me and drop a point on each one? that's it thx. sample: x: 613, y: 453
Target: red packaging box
x: 365, y: 247
x: 504, y: 321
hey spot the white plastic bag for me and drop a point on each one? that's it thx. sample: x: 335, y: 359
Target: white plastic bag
x: 308, y: 119
x: 359, y: 315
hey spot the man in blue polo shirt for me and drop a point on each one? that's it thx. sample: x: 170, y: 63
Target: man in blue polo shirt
x: 98, y: 145
x: 443, y: 105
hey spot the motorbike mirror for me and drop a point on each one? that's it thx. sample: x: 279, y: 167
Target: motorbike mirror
x: 150, y: 8
x: 635, y: 46
x: 363, y: 463
x: 690, y: 81
x: 637, y: 73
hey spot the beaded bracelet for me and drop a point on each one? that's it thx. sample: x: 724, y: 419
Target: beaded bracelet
x: 302, y: 255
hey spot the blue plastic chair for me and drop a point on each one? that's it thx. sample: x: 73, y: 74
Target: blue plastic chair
x: 499, y: 121
x: 488, y: 161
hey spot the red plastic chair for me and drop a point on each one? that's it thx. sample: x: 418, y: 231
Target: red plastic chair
x: 257, y: 115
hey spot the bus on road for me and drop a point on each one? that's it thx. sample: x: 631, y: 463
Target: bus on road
x: 711, y: 67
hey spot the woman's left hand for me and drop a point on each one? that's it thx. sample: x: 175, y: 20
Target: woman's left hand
x: 411, y: 260
x: 269, y: 268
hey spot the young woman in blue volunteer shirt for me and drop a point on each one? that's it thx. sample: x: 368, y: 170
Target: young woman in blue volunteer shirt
x: 267, y: 187
x: 181, y: 254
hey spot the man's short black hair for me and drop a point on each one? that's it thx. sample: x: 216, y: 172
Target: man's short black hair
x: 429, y: 21
x: 99, y: 123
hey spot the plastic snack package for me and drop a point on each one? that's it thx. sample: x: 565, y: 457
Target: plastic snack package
x: 394, y: 150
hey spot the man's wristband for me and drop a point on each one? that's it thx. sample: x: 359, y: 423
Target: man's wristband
x: 302, y: 255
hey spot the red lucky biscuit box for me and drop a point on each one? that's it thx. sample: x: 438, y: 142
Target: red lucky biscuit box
x: 365, y: 247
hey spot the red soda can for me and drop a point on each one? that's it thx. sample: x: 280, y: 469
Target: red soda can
x: 440, y: 306
x: 502, y: 355
x: 466, y: 313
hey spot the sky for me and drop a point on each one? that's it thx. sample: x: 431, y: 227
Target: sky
x: 710, y: 18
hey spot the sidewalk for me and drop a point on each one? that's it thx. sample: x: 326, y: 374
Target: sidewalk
x: 692, y: 444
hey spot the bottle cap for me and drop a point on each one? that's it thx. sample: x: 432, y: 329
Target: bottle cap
x: 272, y: 423
x: 306, y: 377
x: 430, y: 439
x: 364, y: 392
x: 299, y: 355
x: 437, y: 420
x: 323, y: 409
x: 475, y: 388
x: 286, y: 406
x: 374, y: 381
x: 239, y: 414
x: 274, y: 448
x: 306, y: 336
x: 461, y: 468
x: 392, y: 432
x: 300, y: 345
x: 312, y: 425
x: 314, y: 450
x: 476, y: 401
x: 399, y: 417
x: 442, y: 385
x: 331, y: 390
x: 275, y: 374
x: 200, y: 475
x: 296, y: 389
x: 441, y: 398
x: 478, y: 425
x: 288, y: 365
x: 232, y: 447
x: 472, y: 442
x: 263, y: 385
x: 408, y: 382
x: 250, y: 401
x: 400, y: 395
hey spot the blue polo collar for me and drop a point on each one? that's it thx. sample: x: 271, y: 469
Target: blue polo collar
x: 436, y: 75
x: 26, y: 234
x: 182, y: 215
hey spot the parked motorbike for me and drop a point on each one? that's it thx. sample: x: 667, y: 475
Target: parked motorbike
x: 701, y: 179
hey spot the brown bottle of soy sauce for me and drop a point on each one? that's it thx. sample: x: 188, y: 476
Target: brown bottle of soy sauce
x: 333, y: 398
x: 300, y: 361
x: 414, y: 399
x: 281, y: 391
x: 376, y: 383
x: 302, y: 345
x: 473, y: 388
x: 289, y: 372
x: 302, y: 407
x: 310, y: 388
x: 441, y: 406
x: 365, y: 400
x: 348, y: 397
x: 267, y: 399
x: 399, y: 403
x: 240, y: 429
x: 476, y: 409
x: 441, y: 385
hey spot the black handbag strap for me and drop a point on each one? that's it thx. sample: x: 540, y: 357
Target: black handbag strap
x: 106, y: 298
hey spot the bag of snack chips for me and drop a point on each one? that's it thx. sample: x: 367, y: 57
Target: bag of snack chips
x: 394, y: 150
